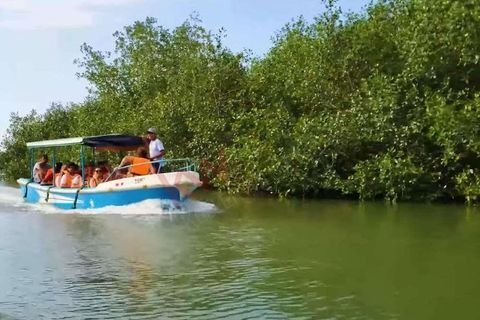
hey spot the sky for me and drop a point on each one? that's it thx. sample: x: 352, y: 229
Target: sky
x: 40, y: 39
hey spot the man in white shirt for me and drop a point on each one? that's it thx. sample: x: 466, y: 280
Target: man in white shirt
x: 156, y: 149
x: 40, y: 168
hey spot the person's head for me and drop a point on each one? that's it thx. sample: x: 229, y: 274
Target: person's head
x: 43, y: 159
x: 71, y: 167
x: 89, y: 167
x: 98, y: 172
x: 142, y: 152
x: 58, y: 167
x: 103, y: 165
x: 152, y: 134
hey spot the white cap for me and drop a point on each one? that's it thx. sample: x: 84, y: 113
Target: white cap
x: 152, y: 130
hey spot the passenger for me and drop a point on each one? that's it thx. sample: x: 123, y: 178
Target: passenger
x: 77, y: 181
x: 67, y: 176
x: 89, y: 170
x: 156, y: 149
x: 106, y: 169
x: 96, y: 179
x: 49, y: 176
x: 40, y: 168
x: 140, y: 164
x: 58, y: 176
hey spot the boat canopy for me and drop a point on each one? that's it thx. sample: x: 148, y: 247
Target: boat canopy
x: 111, y: 142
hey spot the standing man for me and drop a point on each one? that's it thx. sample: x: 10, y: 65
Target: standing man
x: 156, y: 149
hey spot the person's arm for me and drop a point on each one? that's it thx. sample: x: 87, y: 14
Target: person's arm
x: 161, y: 148
x: 36, y: 173
x: 63, y: 181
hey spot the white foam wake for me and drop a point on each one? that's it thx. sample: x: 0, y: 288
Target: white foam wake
x: 10, y: 196
x: 155, y: 207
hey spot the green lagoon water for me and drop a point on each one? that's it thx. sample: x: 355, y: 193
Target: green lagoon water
x: 250, y: 259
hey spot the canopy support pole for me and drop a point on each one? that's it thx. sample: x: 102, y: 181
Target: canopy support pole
x: 48, y: 194
x: 54, y: 164
x: 82, y: 161
x: 31, y: 164
x: 76, y: 198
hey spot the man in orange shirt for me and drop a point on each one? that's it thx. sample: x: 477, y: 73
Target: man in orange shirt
x: 140, y: 164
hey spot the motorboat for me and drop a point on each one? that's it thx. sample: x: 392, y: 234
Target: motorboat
x: 176, y: 181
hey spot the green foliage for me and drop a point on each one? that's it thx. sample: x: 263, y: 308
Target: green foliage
x: 380, y: 104
x: 55, y: 123
x: 183, y: 81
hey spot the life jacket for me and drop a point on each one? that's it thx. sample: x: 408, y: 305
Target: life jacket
x: 48, y: 179
x: 66, y: 180
x: 140, y: 166
x: 77, y: 181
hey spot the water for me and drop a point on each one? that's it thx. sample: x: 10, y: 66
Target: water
x: 244, y: 259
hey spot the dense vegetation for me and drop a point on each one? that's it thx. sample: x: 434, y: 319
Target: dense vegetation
x: 379, y: 104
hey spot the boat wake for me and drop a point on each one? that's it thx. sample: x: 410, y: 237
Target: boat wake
x: 10, y: 197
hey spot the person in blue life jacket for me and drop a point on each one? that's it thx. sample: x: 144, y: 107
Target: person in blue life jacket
x: 156, y: 149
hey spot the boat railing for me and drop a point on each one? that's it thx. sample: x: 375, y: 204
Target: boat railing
x: 165, y: 165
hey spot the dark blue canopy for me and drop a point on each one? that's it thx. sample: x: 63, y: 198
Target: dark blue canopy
x: 113, y: 142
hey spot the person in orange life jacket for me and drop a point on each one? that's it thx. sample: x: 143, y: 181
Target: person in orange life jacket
x: 58, y: 176
x: 89, y: 170
x: 140, y: 164
x: 156, y: 150
x: 71, y: 177
x: 77, y: 181
x: 67, y: 176
x: 49, y: 176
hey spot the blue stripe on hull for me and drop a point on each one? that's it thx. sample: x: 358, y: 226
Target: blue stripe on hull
x: 87, y: 200
x: 120, y: 198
